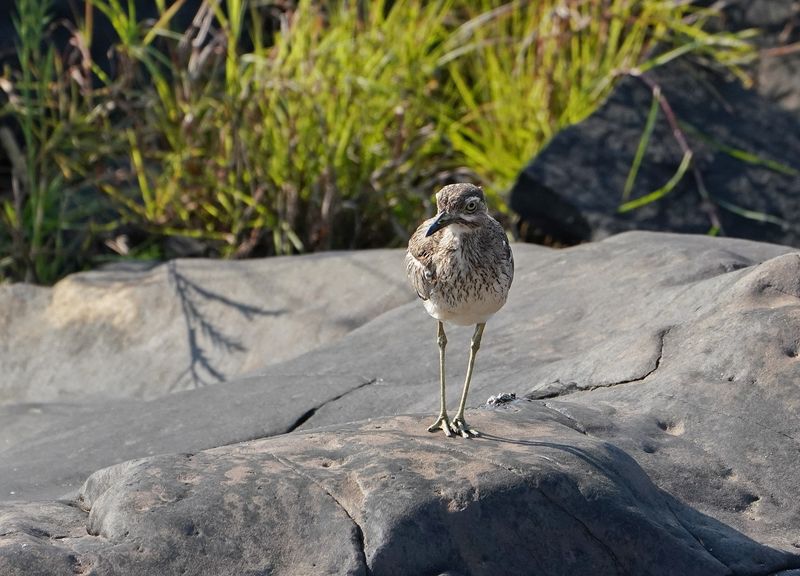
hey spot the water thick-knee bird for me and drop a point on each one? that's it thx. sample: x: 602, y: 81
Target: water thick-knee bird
x: 461, y: 266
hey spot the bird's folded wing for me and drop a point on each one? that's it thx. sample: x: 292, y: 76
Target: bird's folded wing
x: 419, y: 276
x: 419, y: 267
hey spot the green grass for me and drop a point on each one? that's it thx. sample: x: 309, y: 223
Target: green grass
x: 44, y: 216
x: 321, y: 139
x: 524, y: 70
x: 332, y: 132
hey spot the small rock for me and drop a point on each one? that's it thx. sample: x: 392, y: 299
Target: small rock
x: 502, y: 398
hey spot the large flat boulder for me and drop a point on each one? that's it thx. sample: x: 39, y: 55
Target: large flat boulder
x: 144, y: 333
x: 656, y: 378
x: 383, y: 497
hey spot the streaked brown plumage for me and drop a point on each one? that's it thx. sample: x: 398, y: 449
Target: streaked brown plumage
x: 461, y: 266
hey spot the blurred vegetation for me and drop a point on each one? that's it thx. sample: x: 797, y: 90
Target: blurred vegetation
x: 283, y: 127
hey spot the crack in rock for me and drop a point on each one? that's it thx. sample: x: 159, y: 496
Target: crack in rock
x: 573, y: 387
x: 662, y: 336
x: 306, y: 416
x: 359, y: 531
x: 692, y: 534
x: 592, y: 536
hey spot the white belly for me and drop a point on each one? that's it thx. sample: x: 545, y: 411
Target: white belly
x: 472, y: 311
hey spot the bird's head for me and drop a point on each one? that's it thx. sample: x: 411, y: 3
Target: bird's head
x: 462, y: 204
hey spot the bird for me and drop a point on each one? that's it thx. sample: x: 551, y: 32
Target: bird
x: 460, y: 264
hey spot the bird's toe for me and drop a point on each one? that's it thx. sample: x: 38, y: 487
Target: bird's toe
x: 460, y: 426
x: 442, y: 423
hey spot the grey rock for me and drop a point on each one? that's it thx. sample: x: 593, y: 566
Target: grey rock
x: 50, y: 447
x: 635, y: 333
x: 664, y: 367
x: 383, y: 497
x: 186, y: 324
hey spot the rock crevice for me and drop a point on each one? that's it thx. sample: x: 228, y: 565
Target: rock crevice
x: 312, y: 411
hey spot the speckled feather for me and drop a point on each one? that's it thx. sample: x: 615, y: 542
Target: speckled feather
x: 463, y: 271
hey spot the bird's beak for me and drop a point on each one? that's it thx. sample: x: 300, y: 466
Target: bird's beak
x: 442, y: 220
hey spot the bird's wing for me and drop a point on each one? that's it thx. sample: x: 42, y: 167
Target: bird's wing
x: 509, y: 254
x: 420, y: 269
x: 499, y: 237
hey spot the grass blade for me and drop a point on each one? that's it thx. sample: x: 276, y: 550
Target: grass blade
x: 663, y: 190
x: 647, y: 133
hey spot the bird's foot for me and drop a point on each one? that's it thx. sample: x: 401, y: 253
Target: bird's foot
x: 459, y: 426
x: 442, y: 423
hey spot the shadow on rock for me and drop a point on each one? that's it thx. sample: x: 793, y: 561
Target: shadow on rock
x: 199, y: 326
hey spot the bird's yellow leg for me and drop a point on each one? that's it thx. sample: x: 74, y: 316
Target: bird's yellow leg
x: 459, y: 424
x: 443, y: 422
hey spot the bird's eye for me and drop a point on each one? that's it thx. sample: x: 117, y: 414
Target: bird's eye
x: 471, y: 206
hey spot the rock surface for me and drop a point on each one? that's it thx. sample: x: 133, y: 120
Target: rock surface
x: 656, y: 432
x: 182, y: 325
x: 571, y: 192
x: 384, y: 497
